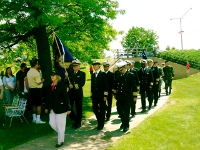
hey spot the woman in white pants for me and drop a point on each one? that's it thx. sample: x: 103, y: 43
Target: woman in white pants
x: 58, y: 104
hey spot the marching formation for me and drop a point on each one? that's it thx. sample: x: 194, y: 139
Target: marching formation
x: 65, y: 94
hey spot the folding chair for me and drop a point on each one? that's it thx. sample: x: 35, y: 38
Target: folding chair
x: 14, y: 103
x: 17, y: 111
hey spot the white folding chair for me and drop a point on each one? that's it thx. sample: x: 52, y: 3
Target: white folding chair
x: 17, y: 111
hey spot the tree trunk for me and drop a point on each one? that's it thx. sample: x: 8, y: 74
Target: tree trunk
x: 44, y: 54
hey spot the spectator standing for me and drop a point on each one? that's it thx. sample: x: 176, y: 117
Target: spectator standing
x: 35, y: 90
x: 58, y: 104
x: 1, y: 100
x: 9, y: 81
x: 77, y: 81
x: 188, y: 68
x: 20, y: 79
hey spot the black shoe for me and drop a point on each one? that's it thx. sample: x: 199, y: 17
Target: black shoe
x: 59, y: 144
x: 143, y: 111
x: 155, y: 104
x: 125, y: 129
x: 121, y: 126
x: 77, y: 126
x: 149, y: 108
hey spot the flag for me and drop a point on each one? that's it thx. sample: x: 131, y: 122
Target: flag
x: 59, y: 49
x: 180, y: 32
x: 144, y: 56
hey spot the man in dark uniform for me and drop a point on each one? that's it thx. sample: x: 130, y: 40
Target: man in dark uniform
x: 160, y: 72
x: 134, y: 71
x: 111, y: 80
x: 77, y: 81
x: 146, y: 83
x: 99, y: 94
x: 156, y: 78
x: 125, y: 92
x: 168, y: 72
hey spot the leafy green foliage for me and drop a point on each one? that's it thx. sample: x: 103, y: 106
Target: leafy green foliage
x: 182, y: 56
x: 138, y: 37
x: 83, y: 25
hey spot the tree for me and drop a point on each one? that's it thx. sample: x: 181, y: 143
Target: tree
x: 138, y: 37
x: 82, y: 24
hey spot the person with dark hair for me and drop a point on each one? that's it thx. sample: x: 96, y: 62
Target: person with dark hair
x: 20, y: 79
x: 35, y: 90
x: 58, y: 104
x: 9, y: 81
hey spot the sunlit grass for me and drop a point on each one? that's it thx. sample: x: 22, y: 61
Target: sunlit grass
x: 173, y: 127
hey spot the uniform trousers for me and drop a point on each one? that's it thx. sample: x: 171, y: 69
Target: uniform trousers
x: 77, y: 117
x: 145, y: 90
x: 133, y: 107
x: 168, y: 85
x: 155, y: 93
x: 124, y: 112
x: 98, y: 106
x: 58, y: 123
x: 109, y: 106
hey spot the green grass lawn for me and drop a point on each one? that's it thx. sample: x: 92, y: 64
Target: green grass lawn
x: 176, y: 126
x: 20, y: 133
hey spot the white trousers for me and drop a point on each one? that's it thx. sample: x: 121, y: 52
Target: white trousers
x: 58, y: 123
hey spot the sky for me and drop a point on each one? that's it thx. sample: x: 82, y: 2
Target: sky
x: 156, y: 15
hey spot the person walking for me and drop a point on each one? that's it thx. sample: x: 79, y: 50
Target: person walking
x: 77, y: 81
x: 168, y: 72
x: 35, y: 90
x: 125, y: 91
x: 99, y: 94
x: 156, y: 78
x: 146, y: 83
x: 111, y: 80
x: 9, y: 81
x: 58, y: 104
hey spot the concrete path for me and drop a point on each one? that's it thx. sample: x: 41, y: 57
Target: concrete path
x: 87, y: 137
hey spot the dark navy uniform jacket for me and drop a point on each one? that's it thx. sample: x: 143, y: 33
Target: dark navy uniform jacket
x: 125, y: 86
x: 78, y: 81
x: 99, y: 85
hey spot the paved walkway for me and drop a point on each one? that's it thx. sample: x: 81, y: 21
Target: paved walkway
x: 87, y: 137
